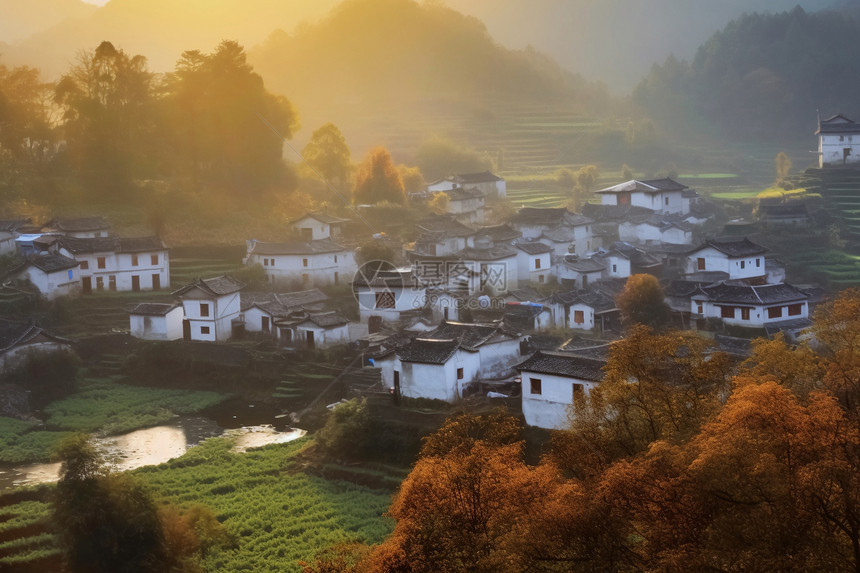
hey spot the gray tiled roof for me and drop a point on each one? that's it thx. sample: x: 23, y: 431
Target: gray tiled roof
x: 470, y: 335
x: 216, y: 286
x: 748, y: 294
x: 52, y: 262
x: 428, y: 351
x: 14, y: 332
x: 323, y: 218
x: 112, y: 244
x: 733, y: 247
x: 563, y: 364
x: 500, y: 233
x: 318, y: 247
x: 82, y: 224
x: 534, y: 248
x: 444, y: 225
x: 152, y: 308
x: 836, y: 124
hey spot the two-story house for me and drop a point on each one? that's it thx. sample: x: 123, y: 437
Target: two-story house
x: 83, y: 227
x: 319, y: 225
x: 751, y: 306
x: 659, y: 195
x: 487, y: 183
x: 52, y: 274
x: 119, y: 263
x: 210, y: 306
x: 740, y: 259
x: 314, y: 263
x: 838, y: 141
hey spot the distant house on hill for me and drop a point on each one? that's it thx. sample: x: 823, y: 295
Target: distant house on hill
x: 84, y: 227
x: 52, y: 274
x: 210, y: 307
x: 316, y: 226
x: 660, y: 195
x: 490, y: 185
x: 156, y: 321
x: 119, y: 263
x: 18, y: 340
x: 838, y: 142
x: 740, y: 259
x: 315, y: 263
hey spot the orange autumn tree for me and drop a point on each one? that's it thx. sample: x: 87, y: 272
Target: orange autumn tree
x: 378, y: 180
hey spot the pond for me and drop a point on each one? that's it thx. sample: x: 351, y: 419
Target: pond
x: 249, y: 425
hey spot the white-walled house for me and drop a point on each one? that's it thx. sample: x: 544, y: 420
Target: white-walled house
x: 84, y: 227
x: 440, y: 236
x: 582, y: 310
x: 119, y: 263
x: 260, y: 311
x: 21, y: 340
x: 838, y: 141
x: 490, y: 185
x: 7, y: 243
x: 534, y: 262
x: 318, y: 225
x: 498, y: 346
x: 312, y: 264
x: 656, y: 230
x: 554, y: 384
x: 466, y: 205
x: 659, y: 195
x: 156, y: 321
x: 210, y: 307
x: 52, y: 274
x: 751, y: 306
x: 741, y: 259
x: 616, y: 265
x: 386, y: 294
x: 316, y: 330
x: 573, y: 272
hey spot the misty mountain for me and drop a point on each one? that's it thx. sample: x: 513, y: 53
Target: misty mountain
x: 22, y: 18
x: 383, y: 52
x: 763, y: 77
x: 158, y: 29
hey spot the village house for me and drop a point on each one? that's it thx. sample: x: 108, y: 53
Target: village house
x: 484, y: 268
x: 443, y: 363
x: 528, y: 316
x: 83, y: 228
x: 313, y: 331
x: 534, y: 262
x: 7, y: 243
x: 583, y: 310
x: 156, y: 321
x: 791, y: 214
x: 740, y: 259
x: 574, y: 272
x: 318, y: 225
x: 260, y: 311
x: 659, y: 195
x: 119, y: 263
x: 490, y: 185
x: 52, y: 274
x: 616, y: 264
x: 554, y: 385
x: 837, y: 136
x: 385, y: 295
x: 440, y: 236
x: 751, y: 306
x: 21, y: 340
x: 315, y: 263
x: 558, y: 228
x: 657, y: 229
x: 466, y: 205
x: 211, y: 308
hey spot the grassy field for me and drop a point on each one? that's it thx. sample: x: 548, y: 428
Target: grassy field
x: 277, y: 514
x: 101, y: 405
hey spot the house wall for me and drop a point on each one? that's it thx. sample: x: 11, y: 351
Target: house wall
x: 167, y: 327
x: 435, y: 381
x: 405, y: 299
x: 222, y: 311
x: 323, y: 337
x: 321, y: 269
x: 676, y: 236
x: 318, y: 229
x: 830, y: 149
x: 617, y: 267
x: 7, y: 243
x: 758, y: 313
x: 587, y: 315
x: 66, y: 282
x: 441, y: 302
x: 533, y: 267
x: 87, y: 234
x: 573, y: 279
x: 737, y: 267
x: 497, y: 358
x: 550, y: 408
x: 253, y: 320
x: 121, y: 266
x: 17, y: 354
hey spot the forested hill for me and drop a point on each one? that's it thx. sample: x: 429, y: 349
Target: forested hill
x: 378, y: 52
x: 762, y: 77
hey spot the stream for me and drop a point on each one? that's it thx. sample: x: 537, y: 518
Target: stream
x: 249, y: 427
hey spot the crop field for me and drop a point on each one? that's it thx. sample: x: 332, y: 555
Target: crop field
x: 25, y: 537
x: 100, y: 405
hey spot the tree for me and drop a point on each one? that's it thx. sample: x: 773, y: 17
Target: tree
x: 642, y: 302
x: 227, y: 128
x: 106, y: 522
x: 438, y: 204
x: 586, y: 177
x: 783, y: 166
x: 328, y: 154
x: 345, y: 429
x: 108, y: 117
x: 626, y: 172
x: 413, y: 180
x: 378, y: 180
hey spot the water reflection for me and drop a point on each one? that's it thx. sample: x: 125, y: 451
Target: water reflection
x: 152, y: 446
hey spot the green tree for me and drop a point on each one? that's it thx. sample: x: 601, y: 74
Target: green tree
x: 378, y: 180
x: 438, y: 204
x: 328, y: 154
x: 642, y: 302
x: 226, y: 126
x: 108, y: 118
x: 783, y: 166
x: 345, y: 429
x: 439, y: 157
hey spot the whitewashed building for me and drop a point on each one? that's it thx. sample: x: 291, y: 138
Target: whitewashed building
x: 659, y: 195
x: 582, y: 310
x: 467, y: 205
x: 315, y: 331
x: 119, y: 263
x: 52, y: 274
x: 384, y: 295
x: 554, y: 384
x: 317, y: 226
x: 313, y: 263
x: 657, y: 230
x: 260, y: 311
x: 534, y: 262
x: 740, y: 259
x: 84, y: 227
x: 838, y: 141
x: 740, y: 304
x: 490, y: 185
x: 21, y: 340
x: 573, y: 272
x: 156, y: 321
x: 210, y: 307
x: 7, y: 243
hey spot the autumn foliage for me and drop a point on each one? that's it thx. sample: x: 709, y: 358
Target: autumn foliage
x: 681, y: 460
x: 378, y: 180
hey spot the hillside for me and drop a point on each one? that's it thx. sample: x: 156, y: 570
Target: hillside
x: 763, y: 77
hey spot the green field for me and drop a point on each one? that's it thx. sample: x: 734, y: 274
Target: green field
x: 101, y: 405
x: 277, y: 514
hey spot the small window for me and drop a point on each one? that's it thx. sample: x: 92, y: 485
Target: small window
x: 100, y: 283
x: 71, y: 274
x: 265, y: 262
x: 459, y: 373
x: 745, y: 313
x: 774, y: 312
x: 271, y: 262
x: 134, y: 260
x: 204, y: 330
x: 85, y: 265
x: 335, y: 258
x: 743, y: 264
x: 204, y: 309
x: 154, y: 259
x: 304, y: 262
x: 727, y: 311
x: 578, y: 317
x: 667, y: 201
x: 614, y: 268
x: 699, y: 308
x: 841, y: 138
x: 537, y: 263
x: 795, y: 309
x: 700, y: 263
x: 100, y: 262
x: 534, y: 385
x: 758, y: 263
x: 112, y: 282
x: 306, y: 278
